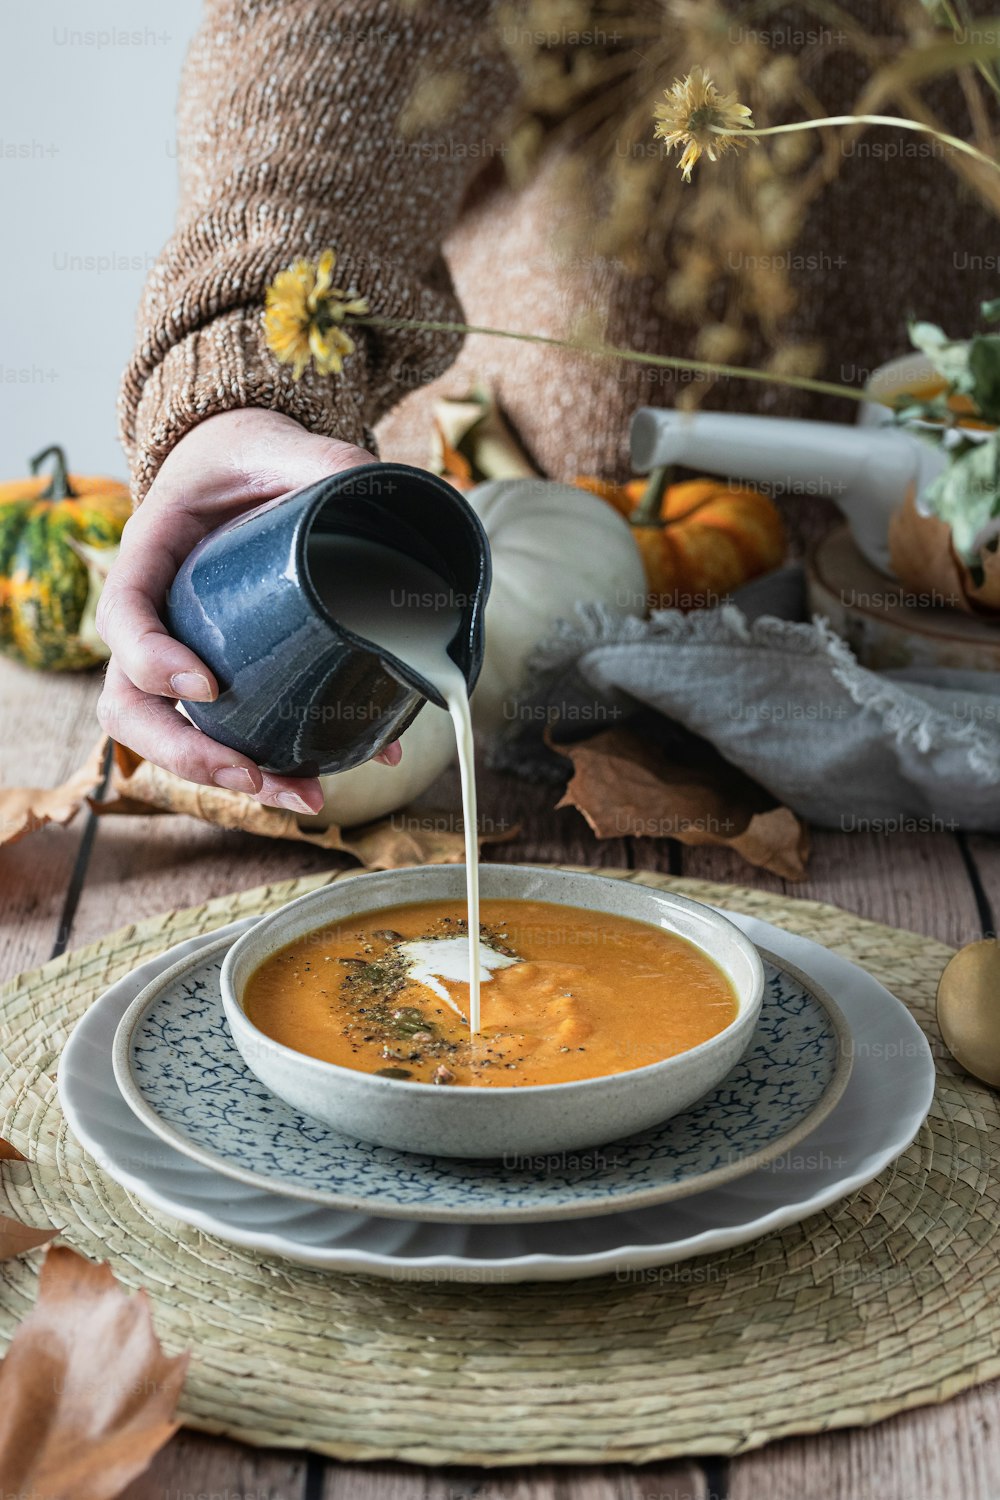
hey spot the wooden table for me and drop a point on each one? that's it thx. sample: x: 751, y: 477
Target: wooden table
x: 64, y: 887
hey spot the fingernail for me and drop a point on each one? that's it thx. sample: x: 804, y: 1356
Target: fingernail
x: 294, y: 803
x: 234, y: 778
x: 193, y: 685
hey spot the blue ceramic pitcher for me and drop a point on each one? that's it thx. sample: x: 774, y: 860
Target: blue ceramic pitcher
x: 300, y: 694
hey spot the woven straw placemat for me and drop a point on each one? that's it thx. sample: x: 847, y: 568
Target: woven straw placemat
x: 889, y: 1300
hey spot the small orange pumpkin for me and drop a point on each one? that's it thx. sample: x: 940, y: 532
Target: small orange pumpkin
x: 699, y: 539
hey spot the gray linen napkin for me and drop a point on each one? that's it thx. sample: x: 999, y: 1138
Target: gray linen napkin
x: 788, y: 704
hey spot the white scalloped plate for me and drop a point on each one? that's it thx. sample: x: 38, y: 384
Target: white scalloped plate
x: 178, y: 1070
x: 883, y: 1106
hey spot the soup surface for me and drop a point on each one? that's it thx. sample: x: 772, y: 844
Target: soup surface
x: 566, y: 994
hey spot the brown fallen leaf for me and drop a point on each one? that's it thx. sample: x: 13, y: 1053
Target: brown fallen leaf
x: 137, y: 786
x: 453, y: 466
x: 626, y: 786
x: 23, y: 809
x: 424, y: 840
x: 16, y: 1237
x: 87, y: 1396
x: 473, y: 441
x: 923, y: 558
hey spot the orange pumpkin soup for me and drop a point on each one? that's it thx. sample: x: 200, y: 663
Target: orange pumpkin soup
x: 566, y: 994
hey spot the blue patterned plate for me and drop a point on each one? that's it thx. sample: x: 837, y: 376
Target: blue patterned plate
x: 180, y: 1073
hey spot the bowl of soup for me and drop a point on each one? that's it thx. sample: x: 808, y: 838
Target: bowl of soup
x: 605, y: 1008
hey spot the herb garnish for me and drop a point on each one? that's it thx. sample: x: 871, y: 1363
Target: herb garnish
x: 372, y: 989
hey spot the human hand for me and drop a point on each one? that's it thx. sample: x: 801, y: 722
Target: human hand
x: 225, y: 466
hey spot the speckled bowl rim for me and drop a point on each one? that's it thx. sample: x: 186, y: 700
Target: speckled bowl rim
x: 321, y: 1067
x: 369, y: 1204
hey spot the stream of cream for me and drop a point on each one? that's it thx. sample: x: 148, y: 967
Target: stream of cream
x: 404, y: 607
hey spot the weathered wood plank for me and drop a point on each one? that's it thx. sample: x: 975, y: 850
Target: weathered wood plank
x: 48, y: 727
x: 985, y: 854
x: 679, y: 1481
x: 722, y: 865
x: 913, y: 880
x: 194, y: 1467
x: 948, y: 1451
x: 141, y: 866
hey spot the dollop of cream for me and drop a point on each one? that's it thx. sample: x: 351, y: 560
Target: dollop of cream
x: 430, y: 961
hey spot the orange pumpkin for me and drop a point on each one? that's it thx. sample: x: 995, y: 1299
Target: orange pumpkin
x: 699, y: 539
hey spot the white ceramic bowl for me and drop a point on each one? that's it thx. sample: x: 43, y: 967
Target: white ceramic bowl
x: 491, y: 1122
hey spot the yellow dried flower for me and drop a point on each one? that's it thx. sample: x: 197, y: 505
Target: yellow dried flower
x: 689, y: 115
x: 305, y: 314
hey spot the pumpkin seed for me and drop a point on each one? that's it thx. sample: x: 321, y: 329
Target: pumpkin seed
x: 407, y: 1013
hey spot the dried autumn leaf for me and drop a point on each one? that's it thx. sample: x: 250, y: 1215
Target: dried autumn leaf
x: 23, y: 809
x: 424, y: 838
x: 923, y: 558
x: 138, y: 786
x: 87, y: 1396
x: 454, y: 466
x: 625, y: 786
x: 473, y: 441
x: 15, y: 1237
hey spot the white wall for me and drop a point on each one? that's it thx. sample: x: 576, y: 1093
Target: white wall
x: 87, y: 194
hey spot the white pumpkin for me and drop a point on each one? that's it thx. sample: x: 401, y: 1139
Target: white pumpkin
x: 554, y: 546
x: 372, y: 790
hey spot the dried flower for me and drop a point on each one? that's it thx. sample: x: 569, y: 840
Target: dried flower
x: 690, y: 115
x: 687, y: 291
x: 720, y: 343
x: 305, y: 315
x: 796, y: 359
x: 434, y: 99
x: 778, y: 80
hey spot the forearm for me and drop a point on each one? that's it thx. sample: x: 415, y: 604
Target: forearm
x: 290, y: 142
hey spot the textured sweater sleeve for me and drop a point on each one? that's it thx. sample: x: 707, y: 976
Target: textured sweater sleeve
x: 290, y: 140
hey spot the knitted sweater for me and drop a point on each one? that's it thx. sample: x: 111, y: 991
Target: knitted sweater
x: 289, y: 142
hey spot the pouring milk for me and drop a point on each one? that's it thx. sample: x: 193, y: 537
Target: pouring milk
x: 404, y: 607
